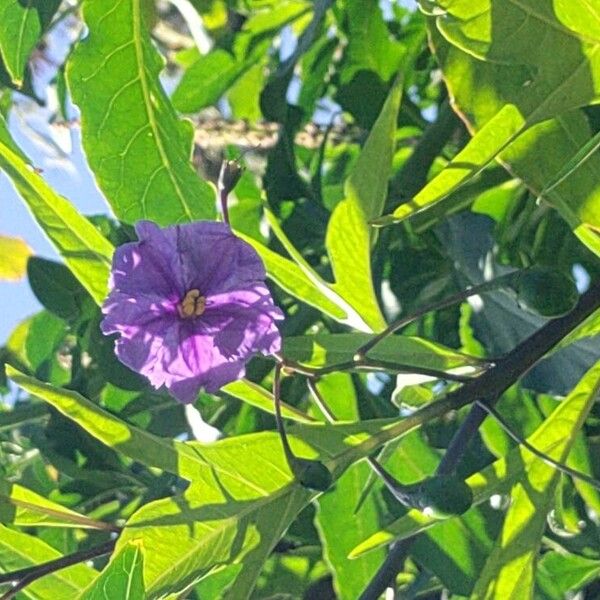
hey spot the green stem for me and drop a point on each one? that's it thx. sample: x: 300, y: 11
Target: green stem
x: 488, y: 286
x: 398, y: 490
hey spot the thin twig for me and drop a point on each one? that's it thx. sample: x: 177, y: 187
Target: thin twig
x: 287, y: 450
x: 523, y: 442
x: 487, y: 286
x: 23, y: 577
x: 368, y: 364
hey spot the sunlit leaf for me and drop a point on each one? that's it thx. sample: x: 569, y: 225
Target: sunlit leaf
x: 234, y: 508
x: 20, y: 550
x: 553, y: 437
x: 25, y: 508
x: 137, y: 147
x: 331, y: 349
x: 21, y: 27
x: 122, y: 578
x: 349, y: 236
x: 86, y: 252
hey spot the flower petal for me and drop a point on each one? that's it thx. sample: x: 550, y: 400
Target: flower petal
x: 187, y: 353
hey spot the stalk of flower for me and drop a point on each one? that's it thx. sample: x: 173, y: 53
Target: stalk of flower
x: 312, y: 474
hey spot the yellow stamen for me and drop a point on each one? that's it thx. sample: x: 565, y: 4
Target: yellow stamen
x: 192, y: 305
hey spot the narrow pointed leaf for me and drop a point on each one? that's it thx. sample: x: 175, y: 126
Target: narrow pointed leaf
x: 85, y: 251
x: 349, y: 235
x: 19, y: 550
x: 25, y: 508
x: 21, y: 28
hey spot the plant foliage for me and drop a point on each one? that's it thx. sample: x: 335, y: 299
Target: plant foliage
x: 434, y: 164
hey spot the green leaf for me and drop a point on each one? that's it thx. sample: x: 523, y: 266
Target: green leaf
x: 255, y: 395
x: 21, y: 27
x: 505, y: 85
x: 370, y: 46
x: 24, y: 508
x: 56, y: 288
x: 122, y: 578
x: 329, y: 349
x: 14, y: 252
x: 86, y: 252
x: 477, y: 29
x: 349, y: 237
x: 340, y: 530
x: 509, y: 571
x: 485, y: 145
x: 207, y: 80
x: 20, y: 550
x: 321, y: 287
x: 553, y: 437
x: 566, y: 573
x: 290, y: 277
x: 109, y: 429
x: 136, y: 146
x: 338, y: 526
x: 234, y: 508
x: 276, y: 16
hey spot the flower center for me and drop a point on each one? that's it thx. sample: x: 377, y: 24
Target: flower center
x: 192, y: 305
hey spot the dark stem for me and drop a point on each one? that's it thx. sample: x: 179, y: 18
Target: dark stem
x: 386, y: 574
x: 490, y: 385
x: 287, y: 450
x: 457, y: 448
x: 24, y: 577
x: 368, y: 364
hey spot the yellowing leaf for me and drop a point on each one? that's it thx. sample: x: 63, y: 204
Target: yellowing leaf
x: 14, y: 253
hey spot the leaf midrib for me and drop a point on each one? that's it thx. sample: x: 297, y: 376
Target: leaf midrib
x: 139, y: 55
x: 35, y: 186
x: 559, y: 27
x: 227, y: 522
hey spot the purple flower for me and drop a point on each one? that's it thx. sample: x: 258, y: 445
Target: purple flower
x: 190, y: 305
